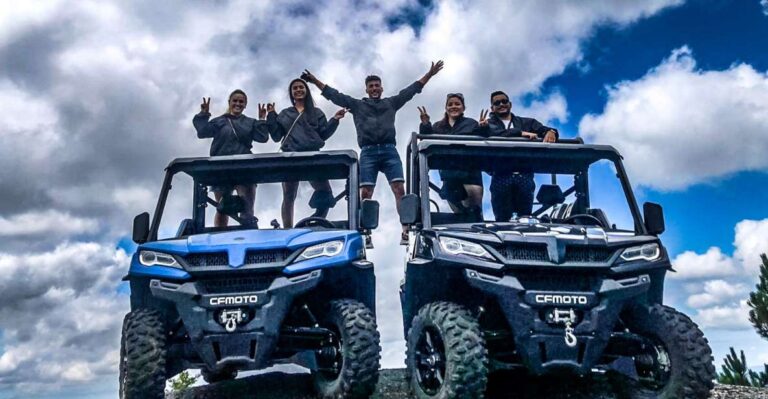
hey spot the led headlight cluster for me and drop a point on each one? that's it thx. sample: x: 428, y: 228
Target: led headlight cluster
x: 646, y: 252
x: 330, y: 248
x: 455, y: 246
x: 152, y: 258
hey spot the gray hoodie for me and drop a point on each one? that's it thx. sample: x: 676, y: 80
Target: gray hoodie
x: 308, y: 133
x: 232, y: 135
x: 374, y: 117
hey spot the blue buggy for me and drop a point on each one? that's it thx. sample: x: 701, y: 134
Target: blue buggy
x: 226, y: 299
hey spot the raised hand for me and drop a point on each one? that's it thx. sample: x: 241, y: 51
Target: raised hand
x: 262, y: 111
x: 205, y: 106
x: 483, y: 121
x: 270, y: 107
x: 340, y: 114
x: 308, y: 76
x: 423, y: 115
x: 435, y: 68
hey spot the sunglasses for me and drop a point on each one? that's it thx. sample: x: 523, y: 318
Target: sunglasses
x: 459, y: 95
x: 500, y: 102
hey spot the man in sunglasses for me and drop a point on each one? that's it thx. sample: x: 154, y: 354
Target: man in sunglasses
x: 512, y: 192
x: 374, y: 118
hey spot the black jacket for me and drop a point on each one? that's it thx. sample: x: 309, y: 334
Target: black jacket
x: 374, y: 118
x: 232, y: 135
x: 309, y: 133
x: 462, y: 126
x: 498, y: 127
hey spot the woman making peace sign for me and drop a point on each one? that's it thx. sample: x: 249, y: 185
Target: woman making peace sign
x: 233, y: 134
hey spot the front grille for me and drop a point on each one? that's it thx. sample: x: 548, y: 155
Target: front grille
x: 587, y: 254
x: 566, y: 282
x: 255, y: 257
x: 209, y: 259
x: 233, y: 285
x: 525, y: 252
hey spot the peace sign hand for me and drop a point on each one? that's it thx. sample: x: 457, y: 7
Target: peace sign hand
x: 483, y: 118
x: 270, y: 107
x: 308, y: 76
x: 205, y: 106
x: 262, y: 111
x: 423, y: 115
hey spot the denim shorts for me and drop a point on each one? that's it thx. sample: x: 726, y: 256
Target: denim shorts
x: 380, y: 158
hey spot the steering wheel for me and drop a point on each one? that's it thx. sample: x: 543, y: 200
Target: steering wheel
x: 583, y: 217
x: 313, y: 221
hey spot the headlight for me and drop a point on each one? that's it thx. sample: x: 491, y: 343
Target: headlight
x: 330, y: 248
x: 151, y: 258
x: 454, y: 246
x: 646, y: 252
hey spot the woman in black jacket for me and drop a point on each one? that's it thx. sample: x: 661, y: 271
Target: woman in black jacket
x: 233, y: 133
x: 302, y: 127
x: 462, y: 189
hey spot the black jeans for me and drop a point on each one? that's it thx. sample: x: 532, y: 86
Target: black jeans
x: 512, y: 193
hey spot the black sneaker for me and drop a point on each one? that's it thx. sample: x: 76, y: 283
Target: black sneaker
x: 404, y: 238
x: 368, y: 242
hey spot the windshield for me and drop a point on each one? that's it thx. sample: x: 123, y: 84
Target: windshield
x: 237, y: 205
x: 471, y: 188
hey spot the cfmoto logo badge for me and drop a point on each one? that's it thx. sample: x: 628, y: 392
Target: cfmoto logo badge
x: 555, y: 299
x: 234, y: 300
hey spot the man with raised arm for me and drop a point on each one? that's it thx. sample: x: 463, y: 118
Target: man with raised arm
x: 374, y: 119
x: 512, y: 192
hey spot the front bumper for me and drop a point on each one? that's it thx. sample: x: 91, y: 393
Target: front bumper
x: 252, y: 344
x: 542, y: 345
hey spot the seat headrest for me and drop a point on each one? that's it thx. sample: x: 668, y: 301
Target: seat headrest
x: 550, y: 194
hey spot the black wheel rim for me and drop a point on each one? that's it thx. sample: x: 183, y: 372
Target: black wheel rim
x: 654, y: 367
x: 430, y: 361
x: 330, y: 359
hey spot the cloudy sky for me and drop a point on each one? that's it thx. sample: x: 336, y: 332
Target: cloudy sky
x: 99, y: 96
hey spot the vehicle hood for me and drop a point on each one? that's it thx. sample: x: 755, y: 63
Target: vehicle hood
x: 534, y: 231
x: 236, y: 243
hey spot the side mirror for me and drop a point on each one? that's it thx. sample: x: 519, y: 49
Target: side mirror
x: 369, y: 214
x: 409, y: 209
x: 654, y: 218
x: 141, y: 228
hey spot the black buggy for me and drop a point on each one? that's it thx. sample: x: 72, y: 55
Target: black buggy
x: 563, y: 291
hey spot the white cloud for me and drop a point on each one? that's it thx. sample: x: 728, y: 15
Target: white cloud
x: 49, y: 222
x: 725, y: 317
x: 764, y: 3
x: 717, y: 284
x: 692, y: 125
x: 713, y: 263
x: 717, y: 292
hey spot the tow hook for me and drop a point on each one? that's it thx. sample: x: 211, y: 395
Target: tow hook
x: 231, y: 318
x: 567, y: 318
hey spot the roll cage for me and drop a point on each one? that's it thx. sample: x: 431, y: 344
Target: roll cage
x: 256, y: 169
x: 567, y: 156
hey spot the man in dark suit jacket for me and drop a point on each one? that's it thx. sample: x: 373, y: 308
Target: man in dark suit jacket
x: 512, y: 192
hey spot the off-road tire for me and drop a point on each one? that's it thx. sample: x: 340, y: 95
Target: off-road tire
x: 143, y: 352
x: 466, y: 357
x: 213, y: 377
x: 692, y: 371
x: 360, y: 352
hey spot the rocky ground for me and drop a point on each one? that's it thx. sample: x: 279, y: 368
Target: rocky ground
x: 392, y: 385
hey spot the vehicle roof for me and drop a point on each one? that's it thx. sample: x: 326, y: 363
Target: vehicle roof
x: 266, y: 167
x: 566, y: 156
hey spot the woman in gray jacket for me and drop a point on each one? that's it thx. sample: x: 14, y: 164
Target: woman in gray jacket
x: 302, y: 127
x: 233, y: 133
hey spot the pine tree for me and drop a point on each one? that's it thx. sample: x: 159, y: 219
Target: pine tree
x: 758, y: 301
x: 735, y: 370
